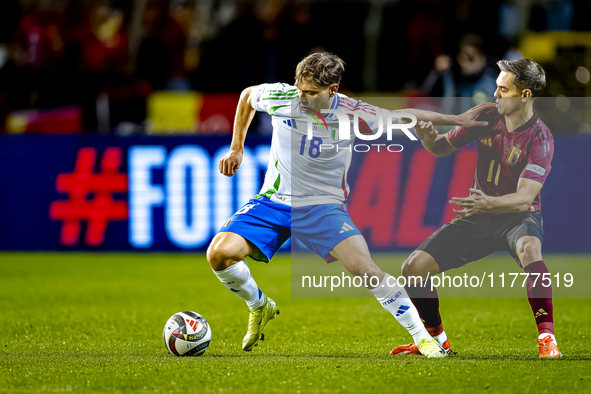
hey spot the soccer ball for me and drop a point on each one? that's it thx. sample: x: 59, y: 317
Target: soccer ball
x: 186, y: 334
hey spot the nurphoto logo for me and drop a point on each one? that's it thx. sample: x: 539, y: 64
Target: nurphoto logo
x: 388, y: 121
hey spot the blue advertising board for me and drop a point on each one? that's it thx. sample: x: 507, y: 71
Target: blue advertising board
x: 91, y: 192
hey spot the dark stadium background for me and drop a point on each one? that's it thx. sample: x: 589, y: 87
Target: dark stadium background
x: 113, y: 117
x: 125, y: 74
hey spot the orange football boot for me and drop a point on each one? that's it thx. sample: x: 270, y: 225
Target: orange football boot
x: 412, y: 348
x: 548, y: 348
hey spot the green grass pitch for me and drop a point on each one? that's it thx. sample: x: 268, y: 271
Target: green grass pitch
x: 93, y: 323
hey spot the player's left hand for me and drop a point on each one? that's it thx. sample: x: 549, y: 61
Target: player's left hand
x: 476, y: 202
x: 468, y: 118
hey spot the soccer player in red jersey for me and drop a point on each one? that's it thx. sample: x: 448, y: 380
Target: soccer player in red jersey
x: 503, y: 211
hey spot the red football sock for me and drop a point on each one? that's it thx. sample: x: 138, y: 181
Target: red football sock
x: 540, y: 297
x: 434, y: 331
x: 427, y: 303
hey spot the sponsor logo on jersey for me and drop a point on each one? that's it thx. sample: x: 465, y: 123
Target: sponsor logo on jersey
x: 536, y: 169
x: 291, y: 123
x: 487, y: 141
x: 514, y: 155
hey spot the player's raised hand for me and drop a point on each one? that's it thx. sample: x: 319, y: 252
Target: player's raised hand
x: 476, y: 202
x: 425, y: 131
x: 468, y: 118
x: 230, y: 163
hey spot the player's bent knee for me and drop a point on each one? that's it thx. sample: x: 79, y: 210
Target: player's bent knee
x: 216, y: 258
x: 409, y: 268
x: 419, y: 264
x: 221, y: 257
x: 224, y: 251
x: 529, y: 249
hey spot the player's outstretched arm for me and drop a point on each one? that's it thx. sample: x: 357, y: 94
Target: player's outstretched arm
x: 517, y: 202
x: 231, y: 161
x: 467, y: 119
x: 434, y: 142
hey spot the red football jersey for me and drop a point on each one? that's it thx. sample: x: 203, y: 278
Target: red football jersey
x: 504, y: 157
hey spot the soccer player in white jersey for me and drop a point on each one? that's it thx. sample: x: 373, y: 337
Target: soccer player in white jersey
x: 309, y: 206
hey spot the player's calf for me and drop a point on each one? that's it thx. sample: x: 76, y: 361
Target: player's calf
x: 226, y: 255
x: 354, y: 255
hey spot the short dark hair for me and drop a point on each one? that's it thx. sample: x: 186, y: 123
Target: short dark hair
x: 528, y: 74
x: 322, y: 69
x: 473, y: 40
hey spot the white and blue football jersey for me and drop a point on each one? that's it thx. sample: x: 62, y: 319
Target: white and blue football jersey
x: 309, y: 171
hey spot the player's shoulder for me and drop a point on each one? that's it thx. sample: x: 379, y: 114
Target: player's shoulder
x: 344, y: 101
x: 278, y: 89
x: 538, y: 126
x: 494, y: 119
x: 275, y: 98
x: 536, y: 130
x: 353, y: 105
x: 490, y: 115
x: 275, y: 92
x: 343, y: 96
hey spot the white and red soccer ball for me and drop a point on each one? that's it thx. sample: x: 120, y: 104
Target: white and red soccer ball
x: 186, y: 334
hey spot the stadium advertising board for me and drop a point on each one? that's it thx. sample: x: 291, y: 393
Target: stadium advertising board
x: 166, y: 193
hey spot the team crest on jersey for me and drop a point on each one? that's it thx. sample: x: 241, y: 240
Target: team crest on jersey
x: 514, y: 155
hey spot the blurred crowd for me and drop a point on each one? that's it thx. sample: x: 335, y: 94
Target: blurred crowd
x: 108, y: 56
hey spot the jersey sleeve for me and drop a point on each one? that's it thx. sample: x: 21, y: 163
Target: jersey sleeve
x: 540, y: 158
x: 372, y: 116
x: 275, y: 98
x: 462, y: 136
x: 369, y: 117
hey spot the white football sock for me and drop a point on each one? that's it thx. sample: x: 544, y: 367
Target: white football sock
x: 237, y: 278
x: 395, y: 300
x: 441, y: 338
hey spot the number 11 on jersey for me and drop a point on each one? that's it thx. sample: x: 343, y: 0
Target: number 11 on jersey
x: 490, y: 172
